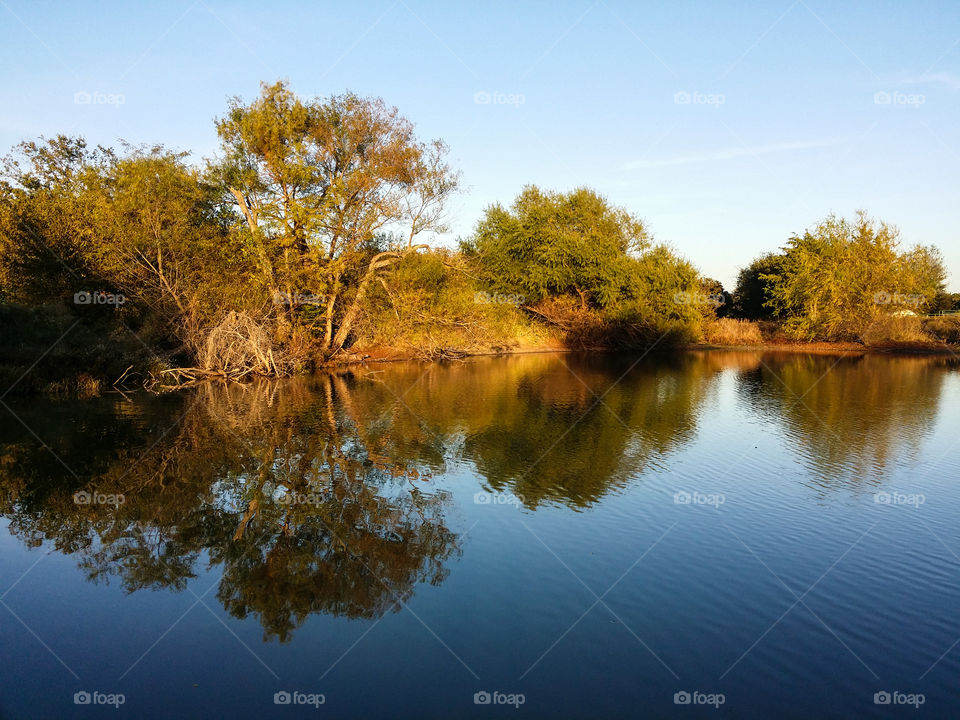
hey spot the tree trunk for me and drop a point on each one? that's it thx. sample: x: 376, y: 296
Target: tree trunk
x: 380, y: 260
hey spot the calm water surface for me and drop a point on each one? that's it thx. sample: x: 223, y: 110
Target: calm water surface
x: 567, y: 536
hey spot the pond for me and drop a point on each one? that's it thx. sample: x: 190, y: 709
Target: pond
x: 720, y: 533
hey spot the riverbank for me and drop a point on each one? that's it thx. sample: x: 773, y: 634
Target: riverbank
x: 384, y: 355
x: 50, y: 351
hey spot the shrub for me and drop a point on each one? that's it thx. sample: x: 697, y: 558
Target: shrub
x: 945, y: 329
x: 895, y: 329
x: 429, y: 304
x: 726, y: 331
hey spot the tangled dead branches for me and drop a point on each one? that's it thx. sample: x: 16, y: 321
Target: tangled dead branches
x: 238, y: 347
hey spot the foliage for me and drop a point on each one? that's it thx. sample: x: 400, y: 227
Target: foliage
x: 837, y: 277
x: 753, y: 295
x: 316, y: 182
x: 550, y: 248
x: 300, y: 241
x: 429, y: 304
x: 550, y: 244
x: 727, y: 331
x: 888, y: 329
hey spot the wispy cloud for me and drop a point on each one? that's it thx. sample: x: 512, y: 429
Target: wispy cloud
x: 731, y: 153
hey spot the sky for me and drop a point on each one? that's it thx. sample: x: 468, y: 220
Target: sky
x: 727, y: 127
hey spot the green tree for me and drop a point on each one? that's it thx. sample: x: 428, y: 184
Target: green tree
x: 752, y: 296
x: 551, y: 243
x: 316, y: 182
x: 833, y: 278
x: 42, y: 206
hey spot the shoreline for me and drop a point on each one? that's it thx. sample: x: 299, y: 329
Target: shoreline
x: 384, y: 355
x: 83, y: 385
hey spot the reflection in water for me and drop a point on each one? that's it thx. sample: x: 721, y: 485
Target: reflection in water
x: 320, y: 496
x: 849, y: 417
x: 270, y: 481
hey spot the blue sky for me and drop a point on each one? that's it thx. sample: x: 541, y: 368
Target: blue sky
x: 726, y: 126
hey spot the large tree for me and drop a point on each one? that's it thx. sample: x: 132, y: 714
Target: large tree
x: 551, y: 243
x: 318, y: 182
x: 840, y: 275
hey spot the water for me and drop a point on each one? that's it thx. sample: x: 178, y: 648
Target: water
x: 590, y: 536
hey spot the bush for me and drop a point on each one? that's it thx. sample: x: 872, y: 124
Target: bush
x: 726, y: 331
x: 893, y: 329
x: 430, y: 305
x: 945, y: 329
x: 52, y: 349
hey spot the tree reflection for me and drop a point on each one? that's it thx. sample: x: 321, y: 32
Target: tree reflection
x: 272, y: 483
x: 849, y: 417
x: 551, y: 428
x: 318, y: 495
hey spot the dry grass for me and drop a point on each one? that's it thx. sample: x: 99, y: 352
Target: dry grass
x: 726, y: 331
x: 887, y: 329
x: 946, y: 329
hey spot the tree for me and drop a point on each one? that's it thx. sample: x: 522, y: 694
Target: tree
x: 42, y: 206
x: 837, y: 277
x: 715, y: 297
x: 316, y: 181
x: 550, y: 244
x: 154, y: 229
x: 752, y: 296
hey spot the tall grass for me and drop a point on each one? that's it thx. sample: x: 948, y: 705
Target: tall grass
x: 726, y: 331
